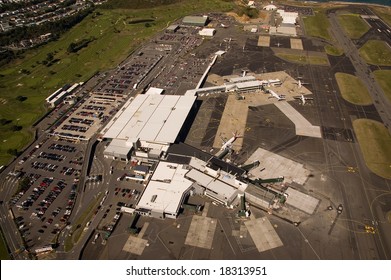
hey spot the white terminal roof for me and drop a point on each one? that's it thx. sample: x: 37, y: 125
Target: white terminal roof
x: 221, y: 189
x: 165, y: 190
x: 248, y: 84
x: 153, y: 90
x: 242, y: 79
x: 150, y: 118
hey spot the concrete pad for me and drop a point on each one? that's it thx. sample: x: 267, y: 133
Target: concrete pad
x: 215, y: 79
x: 233, y: 120
x: 201, y: 232
x: 301, y: 201
x: 263, y: 234
x: 303, y: 126
x: 296, y: 44
x: 205, y: 210
x: 276, y: 166
x: 135, y: 245
x: 264, y: 41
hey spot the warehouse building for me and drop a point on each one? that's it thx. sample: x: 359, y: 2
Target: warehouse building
x: 195, y: 20
x: 207, y: 32
x: 147, y: 125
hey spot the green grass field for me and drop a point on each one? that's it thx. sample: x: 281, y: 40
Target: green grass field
x: 375, y: 144
x: 376, y: 52
x: 304, y: 59
x: 317, y: 25
x: 383, y: 77
x: 333, y: 50
x: 353, y: 25
x: 353, y: 89
x: 384, y: 13
x: 115, y: 35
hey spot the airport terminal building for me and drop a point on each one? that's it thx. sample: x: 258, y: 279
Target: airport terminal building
x: 147, y: 125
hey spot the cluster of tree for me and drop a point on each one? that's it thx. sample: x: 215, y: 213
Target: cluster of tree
x: 14, y: 127
x: 21, y: 98
x: 250, y: 12
x: 5, y: 121
x: 74, y: 47
x: 24, y: 184
x: 56, y: 28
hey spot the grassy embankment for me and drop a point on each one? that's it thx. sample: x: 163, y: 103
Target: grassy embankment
x: 353, y: 25
x: 114, y: 29
x: 383, y: 78
x: 375, y: 144
x: 318, y: 26
x: 353, y: 89
x: 376, y: 52
x: 304, y: 59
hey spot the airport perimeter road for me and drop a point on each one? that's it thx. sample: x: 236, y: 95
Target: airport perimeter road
x: 363, y: 72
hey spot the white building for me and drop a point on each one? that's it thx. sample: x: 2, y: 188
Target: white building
x: 165, y: 192
x: 149, y: 124
x: 288, y: 17
x: 207, y: 32
x: 270, y: 8
x: 58, y: 96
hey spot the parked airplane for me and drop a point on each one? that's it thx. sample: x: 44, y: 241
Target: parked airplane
x: 303, y: 98
x: 300, y: 83
x: 278, y: 44
x: 275, y: 95
x: 228, y: 144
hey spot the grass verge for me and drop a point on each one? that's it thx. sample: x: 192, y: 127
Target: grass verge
x: 375, y: 144
x: 353, y: 25
x: 376, y: 52
x: 333, y: 50
x: 80, y: 223
x: 304, y: 59
x: 353, y: 89
x: 317, y: 25
x: 383, y: 78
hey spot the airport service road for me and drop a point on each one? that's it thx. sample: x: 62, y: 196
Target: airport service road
x: 363, y: 72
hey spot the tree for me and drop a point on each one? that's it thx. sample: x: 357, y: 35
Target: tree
x: 13, y: 152
x: 5, y: 121
x: 21, y: 98
x: 16, y: 127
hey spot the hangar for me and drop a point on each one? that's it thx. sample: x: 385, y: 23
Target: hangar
x: 147, y: 124
x: 195, y: 20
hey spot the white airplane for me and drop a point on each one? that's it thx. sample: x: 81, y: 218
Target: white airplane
x: 303, y: 98
x: 228, y: 144
x: 278, y: 44
x: 300, y: 83
x: 275, y: 95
